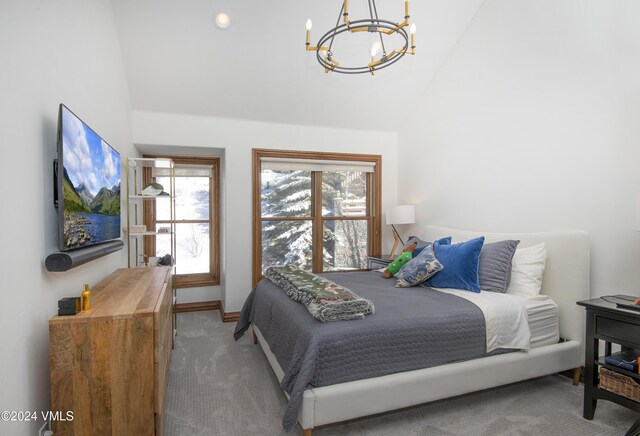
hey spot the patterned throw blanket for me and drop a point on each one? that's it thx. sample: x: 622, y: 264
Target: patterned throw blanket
x: 325, y: 300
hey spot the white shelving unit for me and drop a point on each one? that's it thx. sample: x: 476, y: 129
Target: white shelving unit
x: 136, y: 168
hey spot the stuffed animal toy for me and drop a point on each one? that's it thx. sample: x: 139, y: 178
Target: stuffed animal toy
x: 400, y: 261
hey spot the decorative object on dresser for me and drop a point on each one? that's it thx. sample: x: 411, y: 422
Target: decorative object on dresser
x: 69, y: 306
x: 405, y: 214
x: 110, y: 364
x: 602, y: 380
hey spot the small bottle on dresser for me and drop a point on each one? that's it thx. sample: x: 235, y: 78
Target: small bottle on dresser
x: 86, y: 297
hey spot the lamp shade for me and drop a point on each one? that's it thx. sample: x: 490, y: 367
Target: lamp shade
x: 401, y: 214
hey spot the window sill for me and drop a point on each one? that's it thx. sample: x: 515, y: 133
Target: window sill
x: 195, y: 280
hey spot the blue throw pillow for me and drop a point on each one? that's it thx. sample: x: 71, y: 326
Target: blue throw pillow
x: 460, y: 263
x: 423, y: 244
x: 418, y: 269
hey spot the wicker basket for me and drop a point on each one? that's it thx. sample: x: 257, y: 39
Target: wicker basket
x: 619, y: 384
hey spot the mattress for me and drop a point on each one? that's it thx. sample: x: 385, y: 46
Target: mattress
x: 543, y: 314
x: 541, y: 311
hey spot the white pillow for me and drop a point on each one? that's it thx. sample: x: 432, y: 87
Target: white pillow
x: 527, y: 270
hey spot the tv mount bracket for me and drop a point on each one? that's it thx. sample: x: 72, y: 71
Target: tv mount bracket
x: 55, y: 183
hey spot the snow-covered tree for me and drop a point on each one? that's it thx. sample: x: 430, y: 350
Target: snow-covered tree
x: 287, y: 194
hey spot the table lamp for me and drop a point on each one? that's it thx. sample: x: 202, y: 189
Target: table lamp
x: 405, y: 214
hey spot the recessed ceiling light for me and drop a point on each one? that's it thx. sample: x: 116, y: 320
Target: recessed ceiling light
x: 223, y: 20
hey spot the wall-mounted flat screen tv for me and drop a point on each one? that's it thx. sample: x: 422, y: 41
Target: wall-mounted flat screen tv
x: 88, y: 185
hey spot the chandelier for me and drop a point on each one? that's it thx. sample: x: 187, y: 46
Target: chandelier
x: 380, y: 57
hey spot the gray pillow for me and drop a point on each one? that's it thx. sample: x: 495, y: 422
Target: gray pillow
x: 494, y: 267
x: 420, y: 242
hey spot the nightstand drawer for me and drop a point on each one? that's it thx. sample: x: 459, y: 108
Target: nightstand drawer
x: 620, y: 330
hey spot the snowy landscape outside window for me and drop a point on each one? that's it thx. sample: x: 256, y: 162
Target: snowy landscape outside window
x: 317, y: 215
x: 196, y: 221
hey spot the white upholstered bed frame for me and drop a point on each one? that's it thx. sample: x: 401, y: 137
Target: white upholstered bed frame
x: 566, y: 280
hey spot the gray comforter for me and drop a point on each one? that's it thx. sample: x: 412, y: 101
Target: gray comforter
x: 412, y: 328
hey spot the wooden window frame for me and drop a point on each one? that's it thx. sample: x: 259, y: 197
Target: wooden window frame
x: 374, y: 203
x: 149, y: 215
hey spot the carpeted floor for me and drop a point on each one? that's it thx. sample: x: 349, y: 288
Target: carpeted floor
x: 221, y: 387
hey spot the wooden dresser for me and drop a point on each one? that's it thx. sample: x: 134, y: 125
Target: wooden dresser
x: 110, y: 364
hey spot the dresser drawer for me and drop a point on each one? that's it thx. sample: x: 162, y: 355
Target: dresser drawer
x: 161, y: 366
x: 163, y: 336
x: 163, y: 323
x: 617, y: 330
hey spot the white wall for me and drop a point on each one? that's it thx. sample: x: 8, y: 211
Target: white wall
x: 237, y: 138
x: 532, y: 124
x: 52, y: 52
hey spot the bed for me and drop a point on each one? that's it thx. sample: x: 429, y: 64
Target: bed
x: 556, y: 345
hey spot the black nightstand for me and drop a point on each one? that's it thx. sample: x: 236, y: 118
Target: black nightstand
x: 610, y: 324
x: 374, y: 262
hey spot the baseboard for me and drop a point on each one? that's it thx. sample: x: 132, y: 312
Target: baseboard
x: 228, y: 316
x: 208, y: 305
x: 197, y: 306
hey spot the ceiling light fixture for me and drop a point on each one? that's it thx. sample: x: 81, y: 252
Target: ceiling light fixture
x: 223, y: 20
x: 383, y: 28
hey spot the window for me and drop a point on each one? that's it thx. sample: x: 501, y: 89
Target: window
x: 196, y: 218
x: 319, y: 211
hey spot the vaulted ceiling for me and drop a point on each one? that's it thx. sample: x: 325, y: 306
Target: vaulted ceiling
x: 178, y: 61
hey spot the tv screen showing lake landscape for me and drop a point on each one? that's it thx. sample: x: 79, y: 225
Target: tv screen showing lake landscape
x: 90, y: 185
